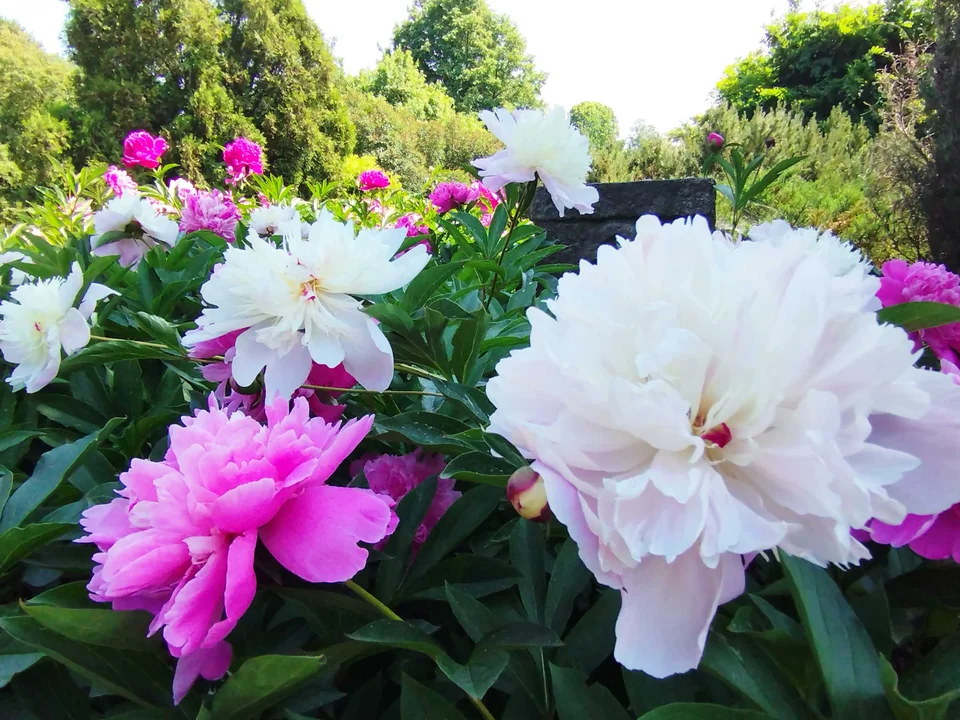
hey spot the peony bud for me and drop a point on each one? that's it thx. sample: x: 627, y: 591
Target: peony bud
x: 527, y: 494
x: 715, y: 141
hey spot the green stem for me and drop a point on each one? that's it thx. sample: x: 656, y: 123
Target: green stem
x: 388, y: 613
x: 329, y: 388
x: 136, y: 342
x: 523, y: 202
x: 419, y: 372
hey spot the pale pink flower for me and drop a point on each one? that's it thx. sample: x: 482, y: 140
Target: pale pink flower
x: 119, y: 181
x: 210, y: 210
x: 449, y: 196
x: 243, y: 158
x: 182, y: 188
x: 142, y: 148
x: 372, y: 180
x: 393, y: 476
x: 179, y: 541
x: 412, y: 224
x: 924, y: 282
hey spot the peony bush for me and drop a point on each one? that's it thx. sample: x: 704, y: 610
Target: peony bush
x: 371, y: 453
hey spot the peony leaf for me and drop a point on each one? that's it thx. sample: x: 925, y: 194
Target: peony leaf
x: 575, y: 701
x: 48, y: 691
x: 262, y: 682
x: 591, y: 640
x: 11, y: 664
x: 567, y: 580
x: 421, y: 703
x: 517, y: 636
x: 424, y: 285
x: 925, y: 587
x: 479, y: 467
x: 934, y: 708
x: 847, y: 657
x: 422, y: 428
x: 466, y: 348
x: 411, y: 510
x: 936, y: 676
x: 919, y: 315
x: 397, y: 634
x: 479, y: 674
x: 527, y: 553
x: 18, y: 542
x: 702, y: 711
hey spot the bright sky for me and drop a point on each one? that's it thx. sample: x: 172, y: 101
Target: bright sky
x: 652, y: 60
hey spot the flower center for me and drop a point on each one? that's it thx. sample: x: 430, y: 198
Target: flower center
x: 719, y: 435
x: 311, y: 289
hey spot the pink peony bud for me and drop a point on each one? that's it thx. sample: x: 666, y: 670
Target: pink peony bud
x: 142, y: 148
x: 527, y: 494
x: 714, y: 141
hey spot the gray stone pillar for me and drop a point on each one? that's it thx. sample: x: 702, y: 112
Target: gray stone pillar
x: 617, y: 211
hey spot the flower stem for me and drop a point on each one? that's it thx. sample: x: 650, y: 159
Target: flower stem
x: 388, y: 613
x: 135, y: 342
x: 523, y: 202
x: 329, y: 388
x: 419, y: 372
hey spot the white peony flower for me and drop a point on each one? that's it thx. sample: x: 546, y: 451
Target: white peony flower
x: 543, y: 145
x: 17, y: 277
x: 141, y: 225
x: 692, y: 400
x: 295, y: 303
x: 270, y: 220
x: 41, y: 322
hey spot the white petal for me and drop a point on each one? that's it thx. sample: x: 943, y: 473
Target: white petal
x: 74, y: 331
x: 287, y: 373
x: 367, y: 354
x: 250, y: 358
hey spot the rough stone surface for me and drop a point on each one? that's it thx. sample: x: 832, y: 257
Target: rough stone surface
x: 617, y: 211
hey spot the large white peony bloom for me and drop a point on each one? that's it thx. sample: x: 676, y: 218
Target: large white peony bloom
x: 296, y: 307
x: 41, y: 322
x: 692, y: 401
x: 141, y: 225
x: 540, y: 144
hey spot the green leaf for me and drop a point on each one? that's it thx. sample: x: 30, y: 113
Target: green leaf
x: 567, y: 580
x: 51, y: 469
x: 905, y: 709
x: 648, y: 693
x: 702, y: 711
x: 575, y: 701
x: 421, y: 703
x: 12, y: 438
x: 479, y: 467
x: 426, y: 283
x: 49, y: 692
x: 919, y: 315
x: 6, y: 483
x: 16, y: 543
x: 526, y: 553
x: 159, y: 329
x: 590, y: 641
x: 455, y: 526
x: 397, y: 634
x: 466, y: 347
x: 422, y: 428
x: 925, y: 587
x: 517, y: 636
x: 260, y: 683
x: 475, y: 575
x: 10, y: 665
x: 474, y: 617
x: 938, y: 674
x: 476, y: 230
x: 472, y: 399
x: 142, y: 678
x: 771, y: 177
x: 847, y: 658
x: 745, y: 668
x: 727, y: 192
x: 495, y: 232
x: 104, y: 351
x: 70, y: 412
x: 505, y: 449
x: 479, y: 674
x: 411, y: 511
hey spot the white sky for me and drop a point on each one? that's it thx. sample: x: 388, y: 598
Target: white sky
x: 655, y: 60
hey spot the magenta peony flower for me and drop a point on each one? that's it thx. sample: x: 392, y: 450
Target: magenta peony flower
x: 182, y: 188
x: 372, y: 180
x: 179, y: 541
x: 488, y: 202
x: 394, y: 476
x: 243, y: 158
x: 142, y: 148
x: 449, y: 196
x: 119, y: 181
x: 924, y: 282
x: 413, y: 226
x: 210, y: 210
x: 715, y: 141
x: 232, y: 398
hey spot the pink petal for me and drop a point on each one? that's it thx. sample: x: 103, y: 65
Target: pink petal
x: 212, y: 663
x: 246, y: 507
x: 315, y: 534
x: 241, y: 586
x: 197, y: 607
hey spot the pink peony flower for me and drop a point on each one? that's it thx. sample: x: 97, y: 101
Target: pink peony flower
x: 394, y: 476
x: 448, y: 196
x: 182, y: 188
x: 243, y: 158
x: 372, y: 180
x: 715, y: 141
x: 179, y: 541
x: 488, y: 202
x: 210, y: 210
x: 142, y: 148
x: 924, y: 282
x: 119, y: 181
x: 232, y: 398
x: 413, y: 226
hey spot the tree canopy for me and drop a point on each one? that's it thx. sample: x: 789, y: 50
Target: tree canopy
x: 399, y: 81
x: 815, y: 61
x: 596, y: 121
x: 479, y: 56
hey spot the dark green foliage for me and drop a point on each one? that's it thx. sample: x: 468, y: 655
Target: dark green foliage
x: 477, y: 55
x: 596, y: 122
x: 815, y: 61
x: 399, y: 81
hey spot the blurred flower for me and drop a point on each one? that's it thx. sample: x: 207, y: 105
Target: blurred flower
x: 689, y: 401
x: 447, y: 196
x: 142, y: 148
x: 210, y: 210
x: 296, y: 307
x: 393, y: 476
x: 182, y: 188
x: 488, y: 202
x: 770, y: 143
x: 412, y: 224
x: 715, y: 141
x: 543, y: 145
x: 527, y: 494
x: 119, y: 181
x: 924, y: 282
x: 137, y: 228
x: 269, y: 220
x: 39, y: 319
x: 243, y: 158
x: 372, y: 180
x: 180, y: 540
